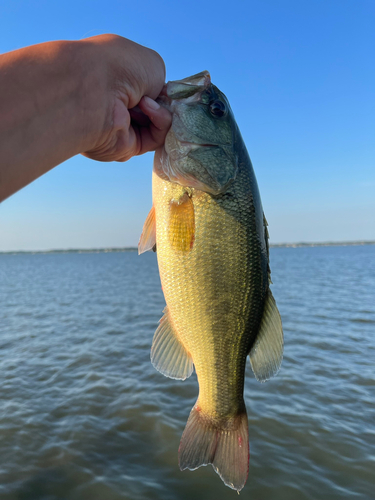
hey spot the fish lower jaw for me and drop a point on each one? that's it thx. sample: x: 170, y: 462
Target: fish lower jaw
x: 181, y: 149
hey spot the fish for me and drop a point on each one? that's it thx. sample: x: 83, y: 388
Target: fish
x: 210, y: 234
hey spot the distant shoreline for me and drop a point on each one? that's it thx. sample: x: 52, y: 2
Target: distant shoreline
x: 134, y: 249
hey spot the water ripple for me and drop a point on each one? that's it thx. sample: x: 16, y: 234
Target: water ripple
x: 84, y: 414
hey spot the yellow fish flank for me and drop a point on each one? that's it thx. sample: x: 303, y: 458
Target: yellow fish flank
x: 210, y: 234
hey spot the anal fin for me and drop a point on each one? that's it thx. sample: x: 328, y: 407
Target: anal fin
x: 147, y: 240
x: 267, y: 352
x: 168, y: 354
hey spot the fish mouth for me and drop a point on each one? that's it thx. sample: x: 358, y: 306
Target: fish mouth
x: 189, y: 89
x: 198, y: 144
x: 177, y: 149
x: 202, y: 79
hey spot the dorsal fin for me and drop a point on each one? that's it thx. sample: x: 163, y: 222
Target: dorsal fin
x: 266, y: 237
x: 267, y: 352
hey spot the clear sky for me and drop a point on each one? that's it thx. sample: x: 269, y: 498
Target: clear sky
x: 300, y: 77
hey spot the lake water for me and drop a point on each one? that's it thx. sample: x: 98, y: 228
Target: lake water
x: 85, y: 416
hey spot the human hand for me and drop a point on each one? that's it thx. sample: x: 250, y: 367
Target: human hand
x: 129, y: 78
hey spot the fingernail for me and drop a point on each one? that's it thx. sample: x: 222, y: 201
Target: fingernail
x: 151, y: 103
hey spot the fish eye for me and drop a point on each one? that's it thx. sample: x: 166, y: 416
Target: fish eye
x: 218, y: 108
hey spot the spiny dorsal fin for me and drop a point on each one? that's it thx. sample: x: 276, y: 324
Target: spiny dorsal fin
x: 182, y: 224
x: 266, y: 237
x: 267, y: 352
x: 147, y: 240
x: 168, y: 354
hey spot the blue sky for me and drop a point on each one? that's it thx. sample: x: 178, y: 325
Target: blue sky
x: 300, y: 77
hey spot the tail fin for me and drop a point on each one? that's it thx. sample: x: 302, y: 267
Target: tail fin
x: 223, y: 444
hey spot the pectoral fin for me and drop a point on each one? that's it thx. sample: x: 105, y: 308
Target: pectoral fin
x: 182, y: 224
x: 147, y: 240
x: 267, y: 352
x: 168, y: 354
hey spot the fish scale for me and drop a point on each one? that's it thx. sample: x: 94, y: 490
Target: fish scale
x: 221, y: 269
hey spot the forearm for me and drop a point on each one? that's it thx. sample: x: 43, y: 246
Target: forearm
x: 47, y: 111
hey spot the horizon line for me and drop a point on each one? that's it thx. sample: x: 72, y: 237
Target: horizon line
x: 134, y: 249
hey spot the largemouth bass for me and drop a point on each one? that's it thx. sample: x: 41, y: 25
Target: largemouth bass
x: 208, y: 228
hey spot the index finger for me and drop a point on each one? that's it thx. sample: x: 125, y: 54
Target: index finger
x: 153, y: 136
